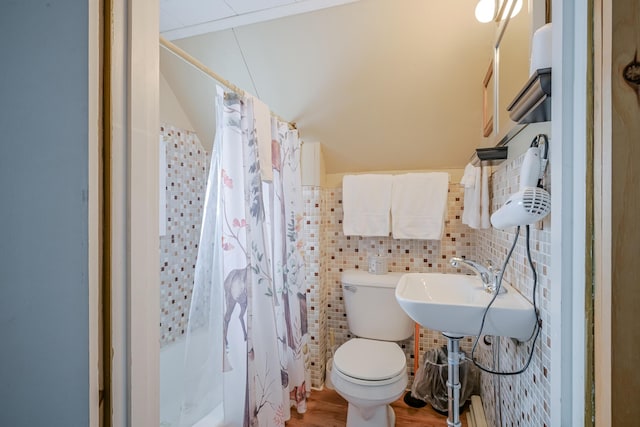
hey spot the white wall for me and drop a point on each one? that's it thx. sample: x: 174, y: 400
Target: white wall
x: 171, y: 111
x: 44, y: 275
x: 313, y: 169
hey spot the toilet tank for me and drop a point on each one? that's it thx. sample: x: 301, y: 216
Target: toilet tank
x: 371, y: 306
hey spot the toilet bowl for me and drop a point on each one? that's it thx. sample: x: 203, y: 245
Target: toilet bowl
x: 369, y: 375
x: 370, y: 371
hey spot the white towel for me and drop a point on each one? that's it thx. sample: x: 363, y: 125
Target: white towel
x: 262, y: 117
x: 484, y: 198
x: 472, y: 181
x: 419, y: 205
x: 366, y: 202
x: 476, y: 196
x: 469, y: 176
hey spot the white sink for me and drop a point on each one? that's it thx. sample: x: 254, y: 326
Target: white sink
x: 455, y: 303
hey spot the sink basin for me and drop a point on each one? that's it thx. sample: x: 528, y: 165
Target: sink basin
x: 454, y: 304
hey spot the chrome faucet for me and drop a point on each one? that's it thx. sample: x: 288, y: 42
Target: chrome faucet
x: 489, y: 275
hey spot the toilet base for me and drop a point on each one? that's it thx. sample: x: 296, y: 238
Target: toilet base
x: 373, y: 416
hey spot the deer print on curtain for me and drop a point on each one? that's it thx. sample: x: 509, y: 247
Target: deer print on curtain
x: 288, y: 264
x: 249, y: 294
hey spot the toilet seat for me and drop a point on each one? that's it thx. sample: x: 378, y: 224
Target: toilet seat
x: 370, y: 362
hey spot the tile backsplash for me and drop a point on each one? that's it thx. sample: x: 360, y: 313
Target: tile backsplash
x: 524, y: 398
x: 187, y: 166
x: 317, y: 292
x: 514, y: 400
x: 331, y: 252
x: 520, y: 400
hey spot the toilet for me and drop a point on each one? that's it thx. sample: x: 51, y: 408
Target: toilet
x: 370, y: 371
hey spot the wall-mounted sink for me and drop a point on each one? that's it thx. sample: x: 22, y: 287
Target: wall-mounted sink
x: 455, y: 303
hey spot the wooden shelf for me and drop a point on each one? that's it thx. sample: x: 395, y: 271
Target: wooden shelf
x: 533, y: 103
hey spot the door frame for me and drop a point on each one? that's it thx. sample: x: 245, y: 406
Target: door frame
x: 135, y: 257
x: 616, y: 293
x: 602, y: 211
x: 569, y: 188
x: 135, y: 270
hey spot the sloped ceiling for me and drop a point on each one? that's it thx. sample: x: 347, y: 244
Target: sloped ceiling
x: 383, y: 85
x: 186, y: 18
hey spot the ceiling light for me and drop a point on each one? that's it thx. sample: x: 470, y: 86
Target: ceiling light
x: 489, y: 10
x: 516, y: 9
x: 485, y: 10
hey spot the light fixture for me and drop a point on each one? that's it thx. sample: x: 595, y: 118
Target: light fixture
x: 506, y: 7
x: 489, y: 10
x: 486, y: 10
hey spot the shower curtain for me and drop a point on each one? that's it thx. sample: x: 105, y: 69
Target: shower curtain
x: 247, y: 348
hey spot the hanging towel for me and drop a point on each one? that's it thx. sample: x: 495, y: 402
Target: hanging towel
x: 419, y: 205
x: 484, y: 198
x: 469, y: 176
x: 262, y: 117
x: 472, y: 181
x: 476, y: 196
x: 366, y: 202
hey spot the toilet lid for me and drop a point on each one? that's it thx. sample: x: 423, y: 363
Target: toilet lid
x: 369, y: 359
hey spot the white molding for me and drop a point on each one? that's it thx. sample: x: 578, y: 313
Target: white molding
x: 135, y: 257
x: 568, y: 169
x: 602, y: 210
x: 253, y: 17
x: 118, y: 226
x: 143, y: 239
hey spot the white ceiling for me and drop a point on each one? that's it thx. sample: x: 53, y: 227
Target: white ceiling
x: 383, y: 85
x: 185, y: 18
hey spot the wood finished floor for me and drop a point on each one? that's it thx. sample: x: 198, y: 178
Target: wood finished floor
x: 327, y: 408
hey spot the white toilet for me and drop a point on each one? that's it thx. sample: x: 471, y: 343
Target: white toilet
x: 370, y: 371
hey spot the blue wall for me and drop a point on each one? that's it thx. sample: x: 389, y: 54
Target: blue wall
x: 44, y: 341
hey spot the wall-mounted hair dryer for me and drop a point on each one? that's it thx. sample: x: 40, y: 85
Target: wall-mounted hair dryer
x: 531, y: 203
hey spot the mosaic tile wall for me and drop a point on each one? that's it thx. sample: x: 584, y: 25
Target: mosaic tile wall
x: 523, y: 398
x: 339, y: 252
x: 316, y: 292
x: 187, y: 167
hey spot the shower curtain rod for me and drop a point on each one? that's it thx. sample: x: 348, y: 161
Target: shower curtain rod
x: 208, y: 71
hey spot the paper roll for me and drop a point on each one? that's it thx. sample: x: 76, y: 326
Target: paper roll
x: 541, y: 49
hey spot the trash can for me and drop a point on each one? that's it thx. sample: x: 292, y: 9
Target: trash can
x: 430, y: 382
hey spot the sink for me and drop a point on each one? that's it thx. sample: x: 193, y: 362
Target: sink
x: 454, y: 304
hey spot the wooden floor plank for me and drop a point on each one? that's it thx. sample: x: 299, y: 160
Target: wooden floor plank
x: 327, y: 408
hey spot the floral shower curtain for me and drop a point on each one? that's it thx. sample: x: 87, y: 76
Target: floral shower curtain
x: 288, y: 263
x: 247, y: 348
